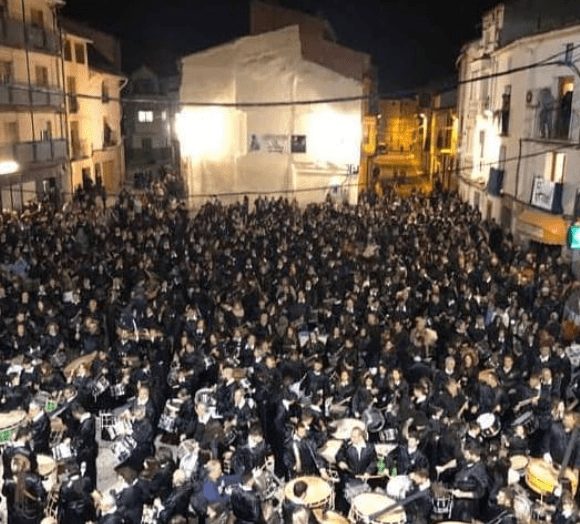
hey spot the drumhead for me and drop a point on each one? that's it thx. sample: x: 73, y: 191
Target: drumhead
x: 46, y: 465
x: 519, y: 462
x: 318, y: 491
x: 324, y: 516
x: 486, y: 420
x: 344, y: 427
x: 369, y: 503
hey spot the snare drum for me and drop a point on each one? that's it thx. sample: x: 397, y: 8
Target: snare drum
x: 528, y: 420
x: 399, y: 486
x: 388, y: 435
x: 344, y: 427
x: 168, y: 419
x: 368, y: 504
x: 119, y: 428
x: 62, y: 452
x: 489, y: 425
x: 100, y: 386
x: 118, y: 390
x: 354, y: 488
x: 123, y: 448
x: 442, y: 501
x: 319, y: 494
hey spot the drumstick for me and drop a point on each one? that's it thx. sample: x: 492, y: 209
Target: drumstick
x: 377, y: 514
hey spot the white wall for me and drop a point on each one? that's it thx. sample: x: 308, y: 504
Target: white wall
x: 256, y: 69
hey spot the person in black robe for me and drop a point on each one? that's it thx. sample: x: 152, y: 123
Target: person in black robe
x: 25, y: 494
x: 245, y: 501
x: 76, y: 503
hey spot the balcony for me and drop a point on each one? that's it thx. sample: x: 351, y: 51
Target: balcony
x: 79, y: 149
x: 554, y: 124
x: 148, y: 156
x: 13, y: 33
x: 109, y: 138
x: 23, y: 96
x: 26, y: 153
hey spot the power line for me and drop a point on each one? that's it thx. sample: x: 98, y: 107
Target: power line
x: 150, y: 101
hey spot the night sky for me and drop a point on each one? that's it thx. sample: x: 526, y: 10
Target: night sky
x: 412, y: 43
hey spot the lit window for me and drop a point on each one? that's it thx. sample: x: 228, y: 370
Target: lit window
x: 145, y: 116
x: 163, y: 115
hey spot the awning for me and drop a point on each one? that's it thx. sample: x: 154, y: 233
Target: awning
x: 543, y: 227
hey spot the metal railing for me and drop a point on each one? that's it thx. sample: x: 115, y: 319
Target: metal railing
x: 555, y: 124
x: 14, y: 33
x: 30, y: 152
x: 13, y: 94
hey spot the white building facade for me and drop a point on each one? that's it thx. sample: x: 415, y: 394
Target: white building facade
x: 298, y: 150
x: 520, y: 130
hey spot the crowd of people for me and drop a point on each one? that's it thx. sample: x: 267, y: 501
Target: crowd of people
x: 254, y: 363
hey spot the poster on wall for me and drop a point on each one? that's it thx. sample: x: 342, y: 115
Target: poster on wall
x: 268, y: 143
x: 298, y: 144
x: 542, y: 193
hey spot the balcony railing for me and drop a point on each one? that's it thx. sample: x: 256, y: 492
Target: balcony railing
x: 25, y: 153
x: 23, y: 95
x: 79, y: 149
x: 554, y: 124
x: 14, y: 33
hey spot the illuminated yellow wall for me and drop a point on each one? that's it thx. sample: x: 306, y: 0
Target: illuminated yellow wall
x: 268, y: 67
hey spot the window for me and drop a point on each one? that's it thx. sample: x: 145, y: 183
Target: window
x: 481, y: 148
x: 11, y: 132
x: 505, y: 110
x: 68, y: 51
x: 104, y: 92
x: 41, y: 76
x: 146, y: 144
x: 145, y: 116
x: 568, y: 53
x: 554, y: 167
x: 71, y: 84
x: 46, y: 133
x: 164, y: 115
x: 5, y: 72
x: 37, y: 18
x: 80, y: 53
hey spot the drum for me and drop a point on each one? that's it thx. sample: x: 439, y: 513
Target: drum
x: 354, y: 488
x: 9, y: 423
x: 118, y: 390
x: 57, y: 431
x: 542, y: 477
x: 100, y: 386
x: 47, y: 468
x: 489, y: 425
x: 399, y: 486
x: 442, y: 502
x: 168, y: 419
x: 62, y: 452
x: 325, y: 516
x: 123, y: 448
x: 368, y: 504
x: 319, y: 493
x: 329, y: 450
x: 51, y: 508
x: 344, y: 426
x: 518, y: 465
x: 528, y: 420
x: 389, y: 435
x: 119, y: 428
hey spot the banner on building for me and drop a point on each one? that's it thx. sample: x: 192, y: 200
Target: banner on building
x: 542, y: 193
x: 369, y: 135
x: 268, y: 143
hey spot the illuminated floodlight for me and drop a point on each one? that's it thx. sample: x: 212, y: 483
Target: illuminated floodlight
x: 8, y: 166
